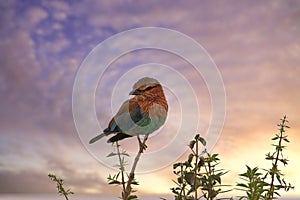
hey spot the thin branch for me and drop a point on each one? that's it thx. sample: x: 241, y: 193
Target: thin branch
x: 275, y: 165
x: 142, y: 146
x: 60, y: 187
x: 196, y: 168
x: 121, y: 165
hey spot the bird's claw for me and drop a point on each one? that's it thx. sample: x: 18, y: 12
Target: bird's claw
x: 142, y: 145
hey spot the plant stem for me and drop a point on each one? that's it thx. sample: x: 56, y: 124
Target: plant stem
x: 196, y: 167
x: 182, y: 192
x: 210, y: 182
x: 121, y: 166
x: 131, y: 175
x: 274, y: 167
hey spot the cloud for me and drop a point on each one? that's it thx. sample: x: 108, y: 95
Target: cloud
x: 31, y: 181
x: 58, y: 9
x: 57, y: 5
x: 57, y: 45
x: 60, y: 16
x: 85, y: 180
x: 25, y: 182
x: 29, y: 164
x: 35, y: 15
x: 19, y: 68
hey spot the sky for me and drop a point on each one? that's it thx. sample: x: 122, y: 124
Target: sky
x: 45, y: 45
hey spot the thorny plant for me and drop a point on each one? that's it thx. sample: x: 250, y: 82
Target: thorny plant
x: 59, y: 185
x: 267, y: 186
x: 122, y: 177
x: 198, y: 176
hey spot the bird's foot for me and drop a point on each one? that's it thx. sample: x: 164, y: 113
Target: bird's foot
x: 142, y: 145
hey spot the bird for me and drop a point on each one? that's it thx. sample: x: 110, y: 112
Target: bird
x: 142, y: 114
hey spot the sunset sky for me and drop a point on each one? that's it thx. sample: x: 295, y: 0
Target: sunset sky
x: 255, y: 46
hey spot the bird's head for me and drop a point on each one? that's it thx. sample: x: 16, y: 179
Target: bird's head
x: 148, y: 91
x: 145, y: 86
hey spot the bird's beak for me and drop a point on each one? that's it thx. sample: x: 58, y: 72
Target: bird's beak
x: 134, y: 92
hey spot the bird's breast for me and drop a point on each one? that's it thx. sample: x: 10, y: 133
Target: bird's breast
x: 152, y: 120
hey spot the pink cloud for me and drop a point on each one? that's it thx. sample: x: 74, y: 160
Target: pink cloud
x: 36, y: 15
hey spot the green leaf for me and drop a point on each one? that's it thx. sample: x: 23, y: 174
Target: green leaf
x: 135, y: 183
x: 278, y: 178
x: 192, y: 144
x: 190, y: 178
x: 284, y: 161
x: 202, y: 140
x: 275, y: 138
x: 180, y: 180
x: 132, y: 197
x: 114, y: 182
x: 111, y: 154
x: 187, y: 164
x: 190, y: 159
x: 201, y: 162
x: 217, y: 178
x: 285, y: 139
x: 176, y: 165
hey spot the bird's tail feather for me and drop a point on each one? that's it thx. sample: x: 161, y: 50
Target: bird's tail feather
x: 98, y: 137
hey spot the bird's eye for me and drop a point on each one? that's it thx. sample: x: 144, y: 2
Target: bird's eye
x: 149, y: 88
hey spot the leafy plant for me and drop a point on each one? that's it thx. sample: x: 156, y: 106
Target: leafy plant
x: 198, y: 174
x: 257, y: 185
x: 122, y: 177
x: 60, y: 187
x: 276, y: 158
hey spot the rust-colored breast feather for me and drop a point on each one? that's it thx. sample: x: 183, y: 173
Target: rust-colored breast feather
x: 155, y: 96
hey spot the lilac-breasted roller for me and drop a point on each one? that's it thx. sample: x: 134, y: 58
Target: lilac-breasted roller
x: 141, y: 115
